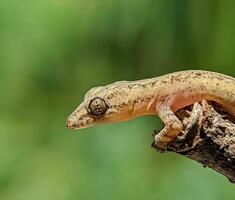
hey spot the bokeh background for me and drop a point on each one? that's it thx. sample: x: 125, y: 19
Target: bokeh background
x: 53, y: 51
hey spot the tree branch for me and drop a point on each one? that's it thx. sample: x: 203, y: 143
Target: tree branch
x: 209, y: 137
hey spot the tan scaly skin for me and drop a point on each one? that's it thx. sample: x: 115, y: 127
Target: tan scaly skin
x: 161, y: 96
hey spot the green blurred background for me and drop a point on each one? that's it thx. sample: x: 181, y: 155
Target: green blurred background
x: 53, y: 51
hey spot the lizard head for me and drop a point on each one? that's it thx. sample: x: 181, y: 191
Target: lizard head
x: 101, y: 105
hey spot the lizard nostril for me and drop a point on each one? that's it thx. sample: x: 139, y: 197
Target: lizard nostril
x: 71, y: 124
x: 68, y: 124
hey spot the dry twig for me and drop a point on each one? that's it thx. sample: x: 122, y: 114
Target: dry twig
x: 209, y: 137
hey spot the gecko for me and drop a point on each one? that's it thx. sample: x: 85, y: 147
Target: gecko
x: 160, y: 96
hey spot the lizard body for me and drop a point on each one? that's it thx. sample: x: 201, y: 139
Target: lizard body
x: 161, y: 96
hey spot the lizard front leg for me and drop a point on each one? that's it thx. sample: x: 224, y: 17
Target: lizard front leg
x: 172, y: 128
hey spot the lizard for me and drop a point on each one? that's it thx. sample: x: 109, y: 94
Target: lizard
x: 161, y: 96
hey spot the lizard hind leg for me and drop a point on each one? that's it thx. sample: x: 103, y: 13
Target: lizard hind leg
x: 172, y: 128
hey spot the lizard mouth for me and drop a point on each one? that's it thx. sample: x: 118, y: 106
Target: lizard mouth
x: 75, y: 125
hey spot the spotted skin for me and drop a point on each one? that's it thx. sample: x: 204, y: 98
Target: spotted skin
x: 161, y: 96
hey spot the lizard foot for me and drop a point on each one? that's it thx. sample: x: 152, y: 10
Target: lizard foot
x: 161, y: 140
x: 168, y: 134
x: 159, y: 146
x: 155, y: 132
x: 170, y: 131
x: 188, y: 139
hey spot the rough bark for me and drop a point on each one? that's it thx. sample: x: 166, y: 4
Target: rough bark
x: 209, y: 137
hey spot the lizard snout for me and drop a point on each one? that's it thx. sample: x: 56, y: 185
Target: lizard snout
x: 79, y: 119
x: 72, y: 122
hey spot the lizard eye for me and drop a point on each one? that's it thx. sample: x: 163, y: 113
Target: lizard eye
x: 97, y: 107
